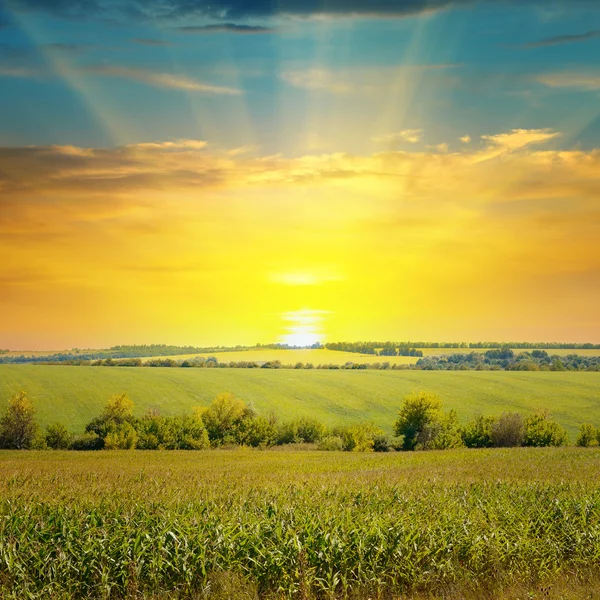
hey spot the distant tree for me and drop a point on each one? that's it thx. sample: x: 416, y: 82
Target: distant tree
x: 419, y: 411
x: 58, y: 437
x: 508, y: 430
x: 540, y: 430
x: 18, y: 428
x: 587, y: 436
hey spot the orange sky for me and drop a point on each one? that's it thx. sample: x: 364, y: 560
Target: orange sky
x: 180, y: 242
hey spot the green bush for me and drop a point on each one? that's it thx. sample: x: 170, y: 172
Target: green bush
x: 588, y: 436
x: 58, y: 437
x: 381, y: 443
x: 540, y: 430
x: 419, y: 410
x: 331, y: 443
x: 87, y: 441
x: 478, y: 433
x: 442, y: 434
x: 18, y: 428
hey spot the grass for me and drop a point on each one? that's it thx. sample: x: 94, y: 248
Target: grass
x: 74, y: 395
x: 518, y: 523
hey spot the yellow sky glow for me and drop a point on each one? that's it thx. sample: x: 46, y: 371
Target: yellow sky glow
x: 178, y: 242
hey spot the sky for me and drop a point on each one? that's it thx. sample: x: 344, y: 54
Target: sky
x: 240, y: 171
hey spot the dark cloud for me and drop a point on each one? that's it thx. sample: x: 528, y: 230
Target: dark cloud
x: 236, y: 10
x: 226, y: 28
x: 563, y: 39
x: 151, y: 42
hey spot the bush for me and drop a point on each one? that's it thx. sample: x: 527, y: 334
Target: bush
x: 441, y: 434
x: 87, y: 441
x: 418, y: 411
x: 540, y: 430
x: 508, y: 431
x: 381, y: 443
x: 587, y: 436
x: 121, y: 437
x: 310, y: 430
x: 57, y: 437
x: 332, y: 443
x: 359, y: 438
x: 18, y: 428
x: 224, y: 419
x: 478, y: 433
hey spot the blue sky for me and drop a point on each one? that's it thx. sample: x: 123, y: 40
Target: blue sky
x: 94, y: 79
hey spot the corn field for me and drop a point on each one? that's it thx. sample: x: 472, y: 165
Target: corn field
x: 294, y: 524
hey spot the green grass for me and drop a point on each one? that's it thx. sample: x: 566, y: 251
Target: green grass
x: 307, y: 525
x: 73, y: 395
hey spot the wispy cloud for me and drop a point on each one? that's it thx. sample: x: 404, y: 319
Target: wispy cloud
x: 226, y: 28
x: 162, y: 80
x: 315, y: 79
x: 21, y: 72
x: 589, y: 81
x: 411, y: 136
x: 519, y: 138
x: 562, y: 39
x: 174, y: 145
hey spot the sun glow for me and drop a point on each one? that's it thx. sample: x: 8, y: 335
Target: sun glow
x: 303, y: 327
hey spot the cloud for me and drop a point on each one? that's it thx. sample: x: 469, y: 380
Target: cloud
x: 562, y: 39
x: 520, y: 138
x: 150, y: 42
x: 176, y: 145
x: 21, y: 72
x: 226, y: 28
x: 465, y: 139
x: 161, y: 80
x: 235, y: 10
x: 315, y: 79
x: 411, y: 136
x: 586, y: 81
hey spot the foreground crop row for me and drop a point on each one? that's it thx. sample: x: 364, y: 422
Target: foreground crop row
x: 112, y: 525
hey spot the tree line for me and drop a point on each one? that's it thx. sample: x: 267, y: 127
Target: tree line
x: 229, y: 422
x: 499, y: 359
x: 388, y: 348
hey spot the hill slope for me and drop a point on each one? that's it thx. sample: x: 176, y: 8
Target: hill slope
x: 73, y: 395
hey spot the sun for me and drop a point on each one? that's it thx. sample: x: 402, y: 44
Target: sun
x: 301, y: 338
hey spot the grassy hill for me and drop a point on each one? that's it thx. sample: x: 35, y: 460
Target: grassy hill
x: 73, y: 395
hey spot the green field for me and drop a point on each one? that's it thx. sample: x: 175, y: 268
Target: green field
x: 73, y: 395
x: 455, y: 524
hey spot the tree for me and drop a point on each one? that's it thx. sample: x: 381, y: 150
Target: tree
x: 420, y: 409
x: 18, y: 428
x: 540, y: 430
